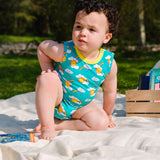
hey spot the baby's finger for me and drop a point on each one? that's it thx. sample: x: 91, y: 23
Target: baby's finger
x: 43, y: 72
x: 48, y: 70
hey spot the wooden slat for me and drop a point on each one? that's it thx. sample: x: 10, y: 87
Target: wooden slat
x: 144, y: 115
x: 142, y: 95
x: 142, y: 107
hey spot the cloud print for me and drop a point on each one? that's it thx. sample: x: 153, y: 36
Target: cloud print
x: 95, y: 79
x: 69, y: 71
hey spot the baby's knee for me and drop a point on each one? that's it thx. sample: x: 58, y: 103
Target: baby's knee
x: 101, y: 124
x: 48, y: 79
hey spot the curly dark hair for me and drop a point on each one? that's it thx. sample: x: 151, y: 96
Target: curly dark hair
x: 109, y: 11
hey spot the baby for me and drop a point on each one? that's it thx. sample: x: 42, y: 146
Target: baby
x: 66, y: 92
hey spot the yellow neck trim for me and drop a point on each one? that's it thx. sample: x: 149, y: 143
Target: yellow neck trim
x: 88, y: 60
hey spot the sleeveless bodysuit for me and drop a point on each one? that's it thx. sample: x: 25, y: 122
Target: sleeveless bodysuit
x: 80, y: 78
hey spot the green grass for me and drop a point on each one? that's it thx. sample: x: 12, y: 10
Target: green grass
x: 18, y: 73
x: 17, y: 39
x: 129, y: 68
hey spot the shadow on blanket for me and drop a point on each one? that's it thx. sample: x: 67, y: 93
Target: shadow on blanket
x: 12, y: 125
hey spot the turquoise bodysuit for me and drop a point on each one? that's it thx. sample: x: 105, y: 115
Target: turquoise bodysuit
x: 80, y: 78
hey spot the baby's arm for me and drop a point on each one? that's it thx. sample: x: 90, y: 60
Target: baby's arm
x: 47, y: 52
x: 109, y: 92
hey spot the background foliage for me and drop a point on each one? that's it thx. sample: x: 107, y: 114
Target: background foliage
x: 54, y: 18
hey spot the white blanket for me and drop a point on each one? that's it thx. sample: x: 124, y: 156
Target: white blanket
x: 134, y: 138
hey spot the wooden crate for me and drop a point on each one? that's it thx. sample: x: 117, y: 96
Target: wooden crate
x: 141, y: 103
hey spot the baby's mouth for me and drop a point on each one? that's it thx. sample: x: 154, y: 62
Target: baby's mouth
x: 82, y: 41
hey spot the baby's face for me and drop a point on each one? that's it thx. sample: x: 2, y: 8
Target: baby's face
x: 90, y: 31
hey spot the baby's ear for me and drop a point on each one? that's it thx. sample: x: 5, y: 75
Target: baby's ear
x: 107, y: 38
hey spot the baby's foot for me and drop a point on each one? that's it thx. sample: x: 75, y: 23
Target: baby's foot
x: 111, y: 122
x: 47, y: 133
x: 38, y: 128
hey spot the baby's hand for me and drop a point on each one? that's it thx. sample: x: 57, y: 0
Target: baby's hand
x: 48, y: 71
x: 111, y: 122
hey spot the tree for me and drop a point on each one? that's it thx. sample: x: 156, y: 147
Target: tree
x: 54, y: 18
x: 141, y: 22
x: 6, y: 18
x: 152, y: 21
x: 15, y: 17
x: 62, y: 21
x: 42, y: 11
x: 23, y: 20
x: 128, y: 28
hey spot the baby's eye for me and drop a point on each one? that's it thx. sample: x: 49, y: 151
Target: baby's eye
x: 78, y: 27
x: 92, y: 30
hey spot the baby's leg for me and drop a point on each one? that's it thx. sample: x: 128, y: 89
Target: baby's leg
x: 90, y: 117
x: 48, y: 95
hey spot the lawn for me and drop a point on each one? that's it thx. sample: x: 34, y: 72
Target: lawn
x: 132, y: 65
x: 18, y: 39
x: 18, y: 73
